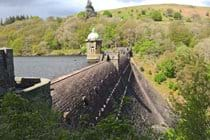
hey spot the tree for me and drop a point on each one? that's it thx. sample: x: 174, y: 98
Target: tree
x: 160, y: 77
x: 146, y: 47
x: 194, y: 81
x: 156, y: 16
x: 107, y: 129
x: 143, y: 12
x: 1, y: 22
x: 177, y: 16
x: 179, y: 33
x: 107, y: 13
x: 21, y: 119
x: 169, y: 12
x: 109, y: 35
x: 17, y: 45
x: 90, y: 11
x: 203, y: 48
x: 168, y: 67
x: 81, y: 15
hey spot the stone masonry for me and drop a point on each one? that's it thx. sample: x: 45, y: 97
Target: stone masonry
x: 7, y: 78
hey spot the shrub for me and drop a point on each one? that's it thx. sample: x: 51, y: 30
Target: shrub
x: 156, y: 16
x: 196, y: 17
x: 150, y: 72
x: 203, y: 49
x: 189, y: 20
x: 104, y: 48
x: 21, y: 119
x: 144, y: 47
x: 109, y: 34
x: 107, y: 13
x: 81, y: 15
x: 107, y: 129
x: 183, y: 57
x: 172, y: 85
x: 177, y: 16
x: 168, y: 68
x: 160, y: 77
x: 169, y: 12
x: 143, y: 12
x: 179, y: 33
x: 194, y: 89
x: 142, y: 69
x: 83, y: 49
x: 207, y: 14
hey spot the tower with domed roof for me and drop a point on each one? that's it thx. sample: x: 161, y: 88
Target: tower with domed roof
x: 94, y: 44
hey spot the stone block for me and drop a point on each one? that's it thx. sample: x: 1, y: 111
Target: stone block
x: 7, y: 77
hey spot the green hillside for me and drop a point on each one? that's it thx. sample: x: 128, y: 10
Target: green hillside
x: 30, y: 37
x: 36, y: 36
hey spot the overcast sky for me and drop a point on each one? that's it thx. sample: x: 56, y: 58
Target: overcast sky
x: 46, y: 8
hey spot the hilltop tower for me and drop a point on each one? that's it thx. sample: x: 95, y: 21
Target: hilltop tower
x: 90, y: 11
x: 94, y: 44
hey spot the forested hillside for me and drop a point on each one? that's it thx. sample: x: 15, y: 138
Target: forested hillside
x: 120, y: 27
x: 33, y: 36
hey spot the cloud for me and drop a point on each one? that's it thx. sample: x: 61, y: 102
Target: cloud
x: 16, y: 2
x: 187, y: 2
x: 45, y: 8
x: 111, y: 4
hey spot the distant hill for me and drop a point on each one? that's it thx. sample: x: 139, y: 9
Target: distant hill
x: 186, y: 10
x: 59, y: 36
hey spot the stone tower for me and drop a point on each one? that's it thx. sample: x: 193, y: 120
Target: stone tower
x: 90, y: 11
x: 7, y: 77
x: 94, y: 44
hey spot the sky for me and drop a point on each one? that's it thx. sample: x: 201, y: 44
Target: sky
x: 46, y: 8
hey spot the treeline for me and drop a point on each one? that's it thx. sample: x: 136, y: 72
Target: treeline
x: 12, y: 19
x: 30, y: 37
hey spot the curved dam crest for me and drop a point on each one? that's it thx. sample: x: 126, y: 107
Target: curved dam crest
x: 93, y: 92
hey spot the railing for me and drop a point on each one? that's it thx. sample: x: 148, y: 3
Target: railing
x: 111, y: 95
x: 124, y: 94
x: 75, y: 73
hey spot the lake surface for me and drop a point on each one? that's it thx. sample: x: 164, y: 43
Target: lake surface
x: 48, y: 67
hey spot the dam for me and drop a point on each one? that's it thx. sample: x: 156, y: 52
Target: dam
x: 94, y: 91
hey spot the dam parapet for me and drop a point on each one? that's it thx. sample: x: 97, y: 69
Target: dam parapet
x: 7, y: 78
x: 34, y: 89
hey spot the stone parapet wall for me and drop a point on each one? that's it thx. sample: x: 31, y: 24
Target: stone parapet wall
x: 6, y: 70
x: 34, y: 89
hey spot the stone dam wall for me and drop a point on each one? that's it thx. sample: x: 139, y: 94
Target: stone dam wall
x: 85, y: 92
x: 92, y: 93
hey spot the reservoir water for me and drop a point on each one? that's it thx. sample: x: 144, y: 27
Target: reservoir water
x: 48, y: 67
